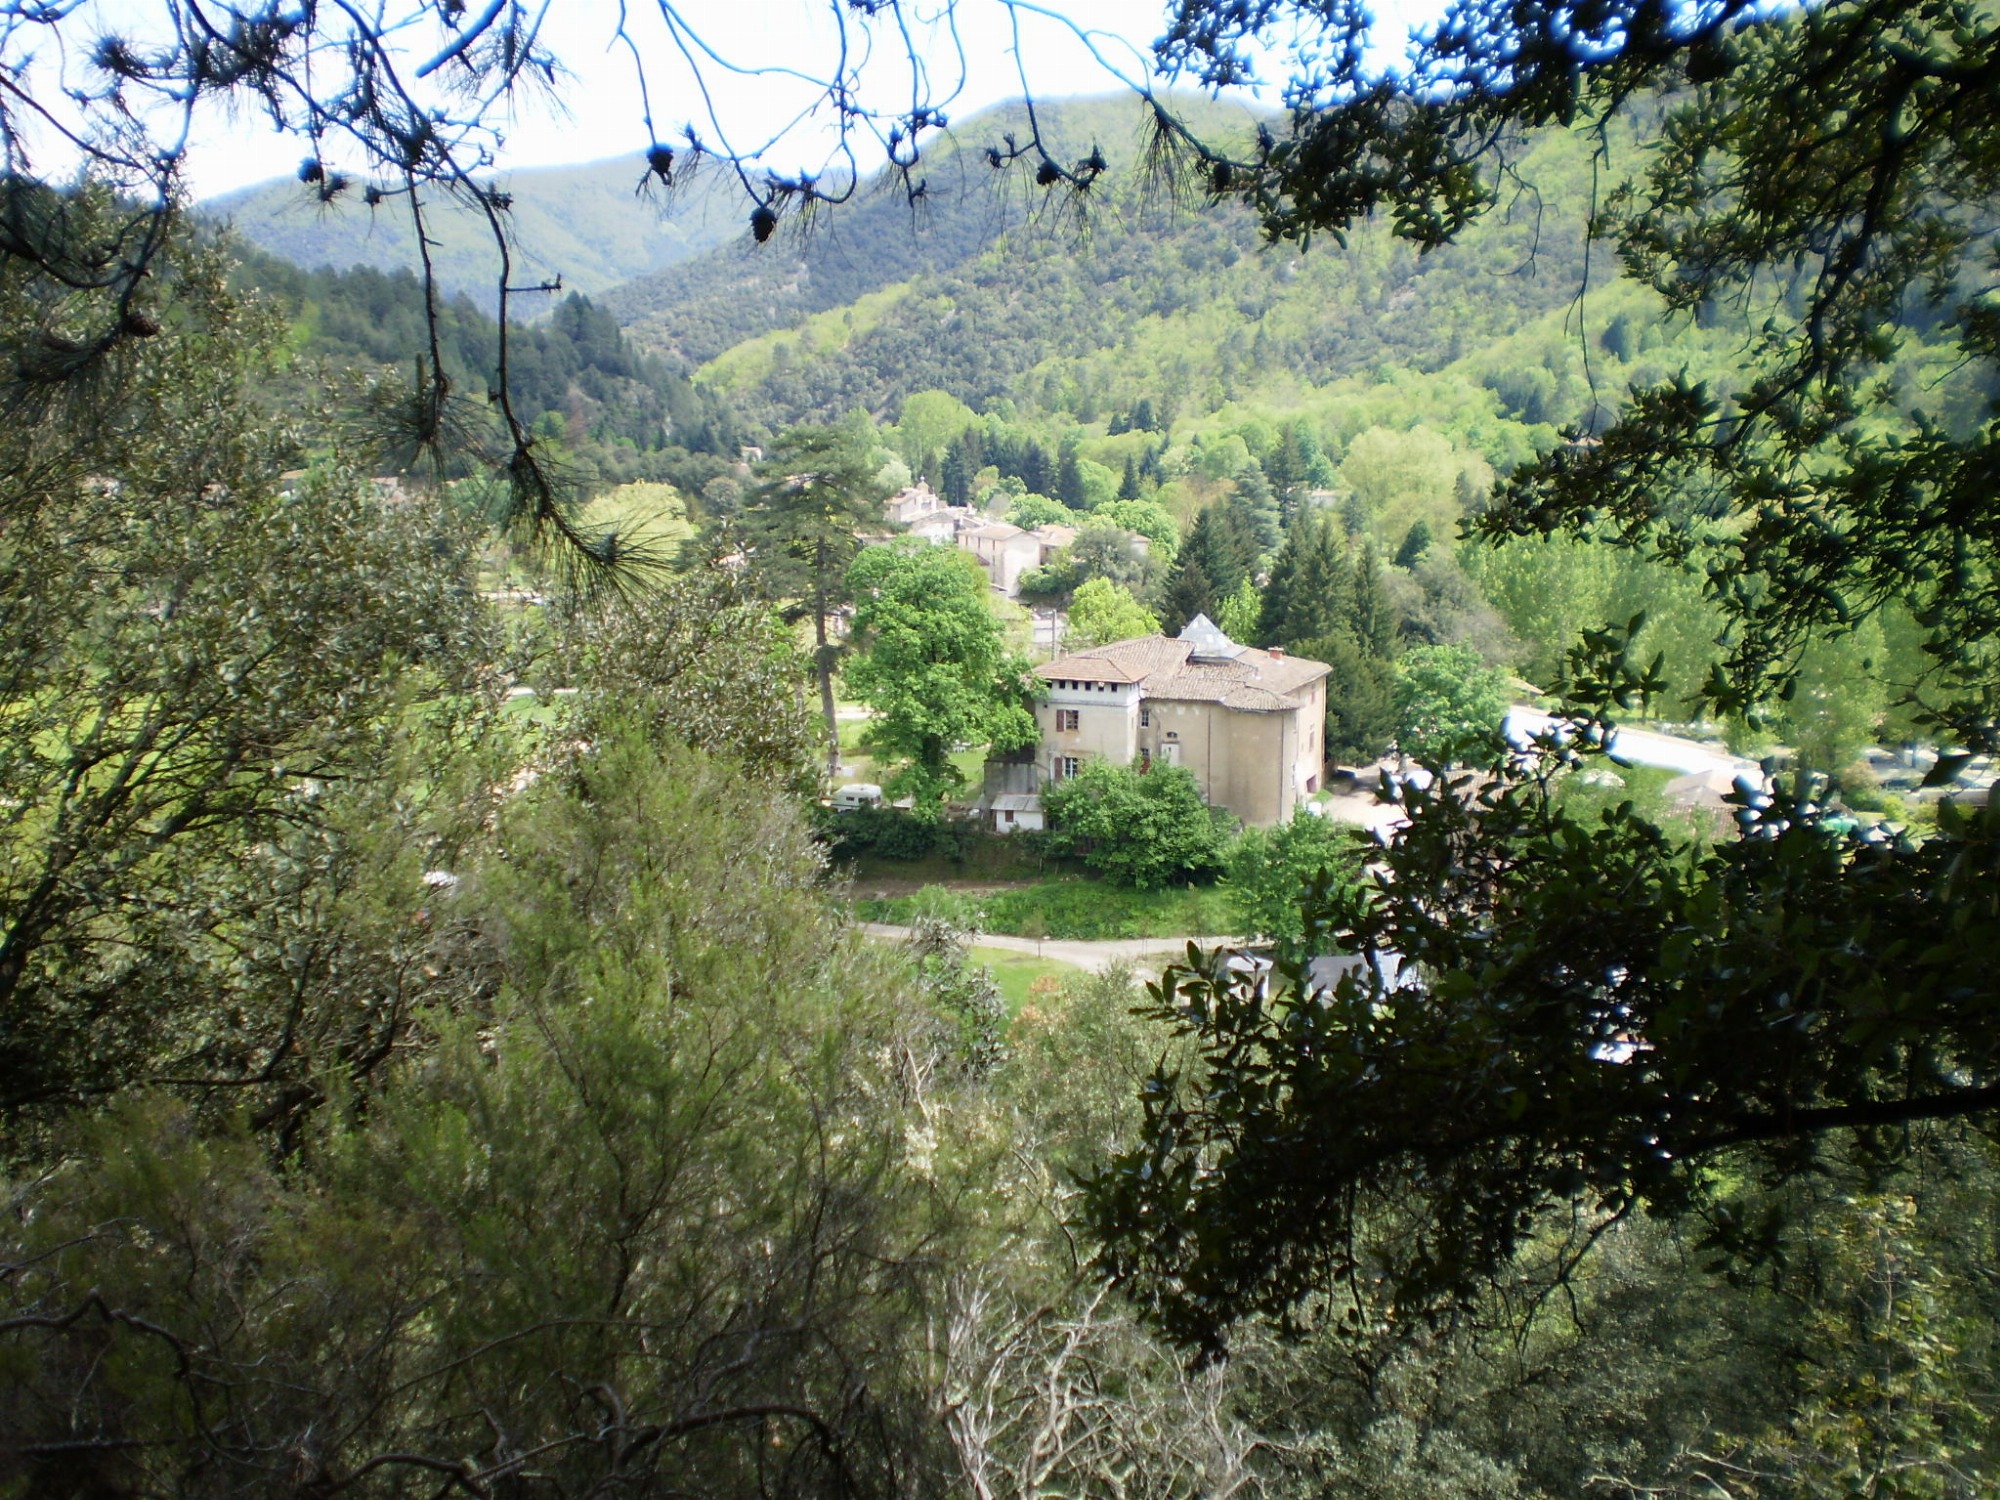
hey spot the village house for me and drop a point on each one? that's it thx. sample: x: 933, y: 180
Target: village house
x: 1006, y: 551
x: 912, y: 504
x: 1249, y: 723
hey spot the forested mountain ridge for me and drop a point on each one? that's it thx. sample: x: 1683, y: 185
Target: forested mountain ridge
x: 575, y: 376
x: 591, y: 225
x: 965, y: 210
x: 997, y: 290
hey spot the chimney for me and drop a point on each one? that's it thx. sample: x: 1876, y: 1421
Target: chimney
x: 1277, y: 653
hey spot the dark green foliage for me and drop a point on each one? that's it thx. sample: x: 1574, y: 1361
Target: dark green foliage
x: 1360, y: 698
x: 1416, y: 542
x: 700, y: 1209
x: 1255, y: 506
x: 231, y: 715
x: 1324, y: 601
x: 1374, y: 616
x: 1310, y: 595
x: 1187, y: 593
x: 888, y: 833
x: 1143, y: 828
x: 623, y: 413
x: 1214, y: 558
x: 1069, y: 478
x: 1564, y: 1049
x: 1278, y: 877
x: 801, y: 530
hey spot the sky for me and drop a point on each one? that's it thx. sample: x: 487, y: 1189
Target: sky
x: 974, y: 54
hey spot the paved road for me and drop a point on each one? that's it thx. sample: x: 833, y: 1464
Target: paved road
x: 1096, y: 957
x: 1644, y: 747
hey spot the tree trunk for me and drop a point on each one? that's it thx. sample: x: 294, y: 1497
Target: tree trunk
x: 823, y: 664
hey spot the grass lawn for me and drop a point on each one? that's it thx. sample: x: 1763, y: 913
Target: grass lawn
x: 1017, y: 973
x: 1085, y: 910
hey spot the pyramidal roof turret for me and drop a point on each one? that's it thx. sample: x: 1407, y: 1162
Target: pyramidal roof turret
x: 1207, y: 641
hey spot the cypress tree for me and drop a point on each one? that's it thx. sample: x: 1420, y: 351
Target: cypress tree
x: 1374, y: 615
x: 1212, y: 542
x: 1311, y: 593
x: 1037, y: 472
x: 1128, y: 487
x: 954, y: 479
x: 1189, y: 592
x: 1069, y: 478
x: 1416, y: 542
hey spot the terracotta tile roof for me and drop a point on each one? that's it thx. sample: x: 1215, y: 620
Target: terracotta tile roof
x: 996, y: 531
x: 1253, y: 681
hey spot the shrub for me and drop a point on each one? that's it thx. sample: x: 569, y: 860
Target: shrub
x: 888, y: 833
x: 1275, y: 874
x: 1144, y: 829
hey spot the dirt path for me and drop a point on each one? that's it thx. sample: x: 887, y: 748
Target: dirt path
x: 1140, y: 953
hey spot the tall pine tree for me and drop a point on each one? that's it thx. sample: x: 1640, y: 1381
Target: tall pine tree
x: 1374, y: 615
x: 814, y: 495
x: 1189, y: 592
x: 1311, y: 594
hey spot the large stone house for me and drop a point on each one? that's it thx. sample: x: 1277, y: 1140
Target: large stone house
x: 1249, y: 723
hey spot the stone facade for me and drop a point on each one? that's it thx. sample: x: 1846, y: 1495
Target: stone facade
x: 1248, y: 723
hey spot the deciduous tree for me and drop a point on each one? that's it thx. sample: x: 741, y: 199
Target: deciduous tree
x: 1145, y: 829
x: 933, y: 664
x: 1101, y: 612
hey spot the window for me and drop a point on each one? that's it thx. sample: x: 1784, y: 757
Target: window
x: 1145, y: 717
x: 1065, y: 767
x: 1066, y: 720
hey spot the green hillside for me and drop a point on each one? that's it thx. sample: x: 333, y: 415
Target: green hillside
x: 1139, y: 296
x: 589, y: 225
x: 618, y: 414
x: 966, y: 211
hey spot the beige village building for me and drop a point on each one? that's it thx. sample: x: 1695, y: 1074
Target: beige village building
x: 912, y: 504
x: 1006, y: 551
x: 1247, y: 722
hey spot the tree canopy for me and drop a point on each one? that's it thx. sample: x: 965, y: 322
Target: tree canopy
x: 933, y: 665
x: 802, y: 526
x: 1144, y: 828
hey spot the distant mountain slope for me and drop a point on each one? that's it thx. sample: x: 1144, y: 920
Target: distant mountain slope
x: 739, y: 291
x: 587, y: 224
x: 1139, y: 297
